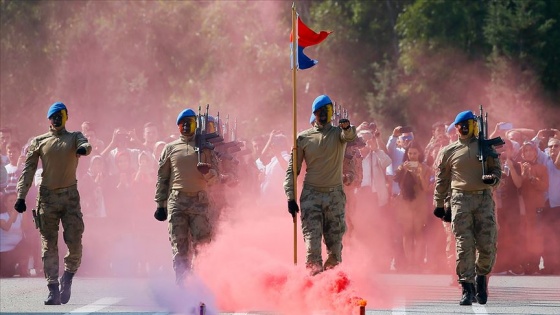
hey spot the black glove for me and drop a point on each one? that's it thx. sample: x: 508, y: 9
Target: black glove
x: 81, y: 151
x: 161, y: 214
x: 342, y: 121
x: 20, y: 206
x: 293, y: 208
x: 489, y: 179
x: 439, y: 212
x: 447, y: 216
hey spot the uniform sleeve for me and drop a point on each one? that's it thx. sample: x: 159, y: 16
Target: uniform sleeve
x: 214, y: 173
x: 29, y: 169
x: 348, y: 135
x: 289, y: 180
x: 443, y: 178
x: 494, y: 167
x: 82, y: 142
x: 163, y: 178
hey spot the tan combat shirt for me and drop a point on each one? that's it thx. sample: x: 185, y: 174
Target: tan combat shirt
x: 57, y: 151
x: 458, y: 167
x: 322, y: 148
x: 177, y: 169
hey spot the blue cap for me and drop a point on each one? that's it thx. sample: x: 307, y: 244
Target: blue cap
x: 185, y: 113
x: 463, y: 116
x: 56, y: 107
x: 450, y: 128
x: 312, y: 118
x: 320, y: 101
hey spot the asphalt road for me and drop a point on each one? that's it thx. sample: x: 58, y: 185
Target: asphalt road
x: 418, y: 294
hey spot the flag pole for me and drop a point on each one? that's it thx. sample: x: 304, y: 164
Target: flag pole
x: 294, y: 102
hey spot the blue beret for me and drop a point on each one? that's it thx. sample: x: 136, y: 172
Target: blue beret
x: 463, y: 116
x: 320, y: 101
x: 56, y: 107
x: 185, y: 113
x: 312, y: 118
x: 450, y: 127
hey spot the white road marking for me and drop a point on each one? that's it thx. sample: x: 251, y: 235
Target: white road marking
x: 95, y: 306
x: 479, y: 309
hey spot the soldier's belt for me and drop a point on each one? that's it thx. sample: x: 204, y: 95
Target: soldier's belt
x: 473, y: 192
x: 58, y: 190
x: 188, y: 194
x: 323, y: 189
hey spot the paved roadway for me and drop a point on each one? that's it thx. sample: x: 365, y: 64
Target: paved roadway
x: 509, y: 295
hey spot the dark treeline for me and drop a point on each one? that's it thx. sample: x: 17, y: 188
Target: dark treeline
x: 393, y: 61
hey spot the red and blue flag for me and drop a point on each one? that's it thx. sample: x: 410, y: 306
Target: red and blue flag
x: 307, y: 37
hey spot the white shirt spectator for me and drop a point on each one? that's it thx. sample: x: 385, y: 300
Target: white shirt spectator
x: 374, y: 165
x: 11, y: 238
x: 274, y: 173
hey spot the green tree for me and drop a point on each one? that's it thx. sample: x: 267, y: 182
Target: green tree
x: 521, y: 34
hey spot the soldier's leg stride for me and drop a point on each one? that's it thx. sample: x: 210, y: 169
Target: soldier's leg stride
x: 481, y: 289
x: 66, y: 286
x: 54, y: 295
x: 314, y: 268
x: 330, y: 263
x: 468, y: 293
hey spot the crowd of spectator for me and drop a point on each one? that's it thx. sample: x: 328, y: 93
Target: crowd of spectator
x: 391, y: 184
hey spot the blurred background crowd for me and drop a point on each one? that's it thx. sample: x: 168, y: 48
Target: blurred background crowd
x: 388, y: 181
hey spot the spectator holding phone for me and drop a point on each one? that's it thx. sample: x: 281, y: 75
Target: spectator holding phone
x: 508, y: 213
x: 549, y: 215
x: 403, y: 136
x: 439, y: 140
x: 544, y: 135
x: 413, y: 180
x: 533, y: 187
x: 122, y: 141
x: 500, y: 130
x: 399, y: 140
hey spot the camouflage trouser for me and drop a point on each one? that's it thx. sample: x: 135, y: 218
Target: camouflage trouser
x: 322, y: 216
x: 475, y: 230
x: 450, y: 251
x: 54, y: 206
x: 189, y: 226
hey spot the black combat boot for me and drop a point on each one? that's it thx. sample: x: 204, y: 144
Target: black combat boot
x: 314, y: 268
x: 54, y: 295
x: 66, y: 286
x: 468, y: 293
x: 481, y: 289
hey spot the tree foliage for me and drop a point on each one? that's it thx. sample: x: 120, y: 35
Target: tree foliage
x: 385, y: 60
